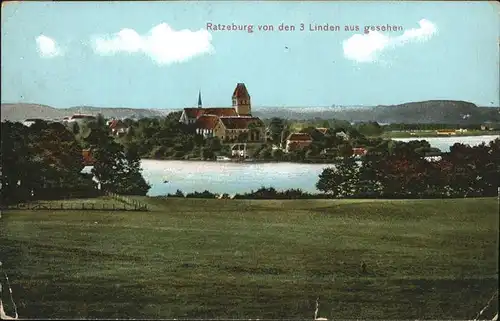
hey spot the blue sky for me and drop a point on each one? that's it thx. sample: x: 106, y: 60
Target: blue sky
x: 159, y: 54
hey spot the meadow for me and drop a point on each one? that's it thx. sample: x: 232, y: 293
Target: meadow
x: 425, y: 259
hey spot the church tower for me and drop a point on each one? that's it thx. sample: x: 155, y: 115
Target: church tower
x: 241, y: 100
x: 199, y: 100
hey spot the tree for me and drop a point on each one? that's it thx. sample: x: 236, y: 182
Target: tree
x: 287, y: 130
x: 276, y: 127
x: 471, y: 171
x: 345, y: 150
x: 405, y: 176
x: 354, y: 133
x: 15, y: 162
x: 370, y: 128
x: 277, y: 154
x: 265, y: 153
x: 338, y: 124
x: 313, y: 150
x: 57, y: 161
x: 341, y: 180
x: 75, y: 128
x: 400, y: 172
x: 296, y: 154
x: 316, y: 135
x: 207, y: 153
x: 42, y: 162
x: 132, y: 182
x: 116, y: 170
x: 214, y: 144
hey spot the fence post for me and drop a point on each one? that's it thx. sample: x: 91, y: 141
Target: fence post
x: 113, y: 206
x: 62, y: 207
x: 83, y: 206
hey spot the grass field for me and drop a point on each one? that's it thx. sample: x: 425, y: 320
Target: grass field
x: 426, y: 259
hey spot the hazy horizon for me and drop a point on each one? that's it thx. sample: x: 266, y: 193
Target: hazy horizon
x: 253, y: 106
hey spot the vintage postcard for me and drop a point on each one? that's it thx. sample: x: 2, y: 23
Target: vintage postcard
x: 250, y: 160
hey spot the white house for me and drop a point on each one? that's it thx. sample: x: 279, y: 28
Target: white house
x: 30, y: 121
x: 342, y: 135
x: 239, y: 150
x: 79, y: 118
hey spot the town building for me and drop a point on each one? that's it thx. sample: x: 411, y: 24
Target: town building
x: 88, y: 159
x: 239, y: 150
x: 490, y: 126
x: 30, y: 121
x: 342, y: 135
x: 227, y: 123
x: 446, y: 132
x: 117, y: 126
x: 323, y: 130
x: 297, y: 141
x: 78, y: 118
x: 359, y: 151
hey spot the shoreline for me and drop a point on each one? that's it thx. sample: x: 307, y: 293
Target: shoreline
x: 401, y: 134
x: 489, y: 137
x: 252, y: 161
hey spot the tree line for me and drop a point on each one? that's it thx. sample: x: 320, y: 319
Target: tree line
x: 397, y: 172
x: 45, y: 161
x: 400, y: 172
x: 373, y: 128
x: 167, y: 138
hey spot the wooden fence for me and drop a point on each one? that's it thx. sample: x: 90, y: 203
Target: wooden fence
x: 74, y: 206
x: 118, y: 203
x: 128, y: 201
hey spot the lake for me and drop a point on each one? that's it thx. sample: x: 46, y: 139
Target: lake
x: 444, y: 143
x: 231, y: 178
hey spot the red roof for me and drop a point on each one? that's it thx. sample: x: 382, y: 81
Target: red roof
x: 322, y: 130
x: 207, y: 122
x: 241, y: 91
x: 87, y: 157
x: 82, y: 116
x: 115, y: 123
x: 299, y: 137
x: 220, y: 112
x: 193, y: 112
x: 359, y: 151
x: 240, y: 122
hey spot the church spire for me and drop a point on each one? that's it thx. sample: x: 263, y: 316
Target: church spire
x: 199, y: 99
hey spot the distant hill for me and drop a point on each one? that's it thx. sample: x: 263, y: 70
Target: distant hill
x: 19, y: 112
x: 432, y: 111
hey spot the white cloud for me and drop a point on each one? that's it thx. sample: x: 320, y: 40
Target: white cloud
x: 162, y: 43
x: 368, y: 47
x: 47, y: 47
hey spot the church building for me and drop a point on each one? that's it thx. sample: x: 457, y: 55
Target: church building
x: 227, y: 123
